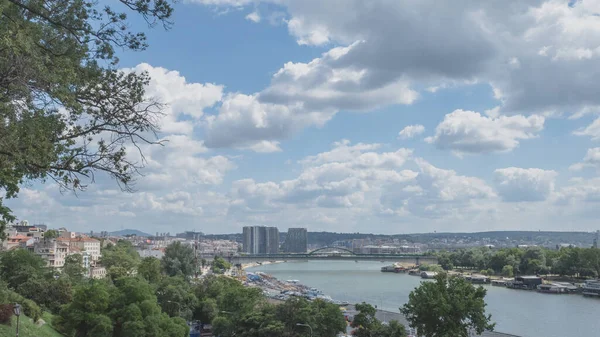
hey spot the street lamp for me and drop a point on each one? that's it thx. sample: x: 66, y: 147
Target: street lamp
x: 178, y: 306
x: 17, y: 312
x: 302, y: 324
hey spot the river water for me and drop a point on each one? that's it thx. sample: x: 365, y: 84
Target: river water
x: 519, y: 312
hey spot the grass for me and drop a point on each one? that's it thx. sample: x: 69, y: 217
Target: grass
x: 28, y: 329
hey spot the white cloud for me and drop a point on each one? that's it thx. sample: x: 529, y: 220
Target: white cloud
x: 411, y: 131
x: 541, y: 55
x: 254, y: 17
x: 592, y: 130
x: 470, y: 132
x: 516, y: 184
x: 264, y: 147
x: 591, y: 159
x: 181, y: 98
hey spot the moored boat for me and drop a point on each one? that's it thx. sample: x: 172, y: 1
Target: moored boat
x: 591, y: 288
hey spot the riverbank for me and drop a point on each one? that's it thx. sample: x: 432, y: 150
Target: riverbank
x: 278, y: 291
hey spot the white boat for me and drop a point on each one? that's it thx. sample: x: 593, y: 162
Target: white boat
x: 591, y: 288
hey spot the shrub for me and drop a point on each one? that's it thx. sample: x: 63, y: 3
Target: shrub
x: 6, y: 312
x: 32, y: 310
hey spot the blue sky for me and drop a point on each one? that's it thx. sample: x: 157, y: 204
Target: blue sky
x: 389, y: 117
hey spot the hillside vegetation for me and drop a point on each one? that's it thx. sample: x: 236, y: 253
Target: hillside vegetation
x: 27, y: 329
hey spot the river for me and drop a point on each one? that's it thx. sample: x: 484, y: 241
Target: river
x: 519, y: 312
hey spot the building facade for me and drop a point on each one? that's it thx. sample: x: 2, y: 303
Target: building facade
x: 52, y: 251
x: 260, y: 240
x: 296, y: 240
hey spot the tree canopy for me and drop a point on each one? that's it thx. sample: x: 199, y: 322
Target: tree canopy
x: 66, y: 110
x: 448, y: 307
x: 178, y: 260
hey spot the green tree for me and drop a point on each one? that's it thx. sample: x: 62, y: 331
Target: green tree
x: 17, y: 266
x: 86, y: 315
x: 448, y: 307
x: 365, y: 322
x: 507, y: 271
x: 74, y: 268
x: 219, y: 265
x: 51, y: 234
x: 68, y: 112
x: 176, y: 298
x: 120, y: 259
x: 149, y: 268
x: 178, y: 260
x: 393, y: 329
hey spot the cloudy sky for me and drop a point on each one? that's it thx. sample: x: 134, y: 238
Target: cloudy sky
x: 380, y: 116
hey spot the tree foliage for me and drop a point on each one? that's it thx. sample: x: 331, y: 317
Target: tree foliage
x: 178, y: 260
x: 150, y: 269
x: 121, y: 259
x: 74, y: 268
x: 448, y: 307
x: 127, y: 308
x: 66, y: 110
x: 219, y: 265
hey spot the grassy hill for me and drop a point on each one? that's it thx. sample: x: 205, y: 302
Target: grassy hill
x: 28, y: 329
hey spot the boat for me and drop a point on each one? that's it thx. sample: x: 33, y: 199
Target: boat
x: 478, y: 279
x: 388, y: 269
x: 591, y: 288
x: 499, y: 283
x: 428, y: 274
x: 551, y: 288
x: 414, y: 272
x: 394, y: 268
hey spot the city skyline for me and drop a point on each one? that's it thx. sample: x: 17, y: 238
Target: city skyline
x: 278, y: 115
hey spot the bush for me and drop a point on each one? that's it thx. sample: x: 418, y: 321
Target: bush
x: 32, y: 310
x: 6, y: 312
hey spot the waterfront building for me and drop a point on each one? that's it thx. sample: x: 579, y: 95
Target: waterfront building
x: 260, y: 240
x: 296, y: 240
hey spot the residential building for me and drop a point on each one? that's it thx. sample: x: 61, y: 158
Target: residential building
x: 84, y: 244
x: 52, y: 251
x: 271, y: 240
x: 260, y: 240
x: 296, y: 240
x: 97, y: 272
x: 17, y: 241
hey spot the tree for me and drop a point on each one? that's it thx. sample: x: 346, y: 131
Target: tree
x: 365, y: 322
x: 19, y: 265
x: 149, y: 268
x: 393, y: 329
x: 178, y: 260
x: 507, y: 271
x: 120, y: 259
x: 67, y: 111
x: 175, y: 297
x: 219, y: 265
x: 74, y: 268
x: 51, y: 234
x: 448, y: 307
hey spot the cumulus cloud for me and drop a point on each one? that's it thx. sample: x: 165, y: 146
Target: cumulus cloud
x: 591, y: 159
x: 592, y: 130
x: 470, y: 132
x: 516, y: 184
x: 539, y: 56
x: 181, y: 98
x: 411, y: 131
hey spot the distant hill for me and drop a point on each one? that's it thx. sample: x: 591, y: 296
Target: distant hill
x: 125, y: 232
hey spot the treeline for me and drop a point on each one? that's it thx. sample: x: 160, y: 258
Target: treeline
x: 154, y: 298
x: 569, y: 261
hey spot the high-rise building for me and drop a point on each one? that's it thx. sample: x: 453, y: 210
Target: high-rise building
x: 261, y: 240
x: 296, y: 240
x: 272, y: 240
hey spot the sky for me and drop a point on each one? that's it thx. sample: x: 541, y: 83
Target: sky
x: 360, y: 116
